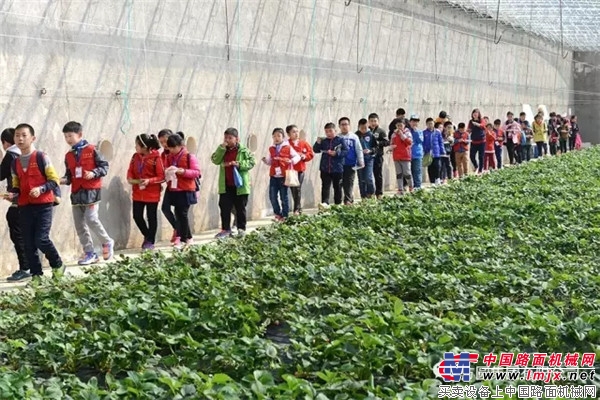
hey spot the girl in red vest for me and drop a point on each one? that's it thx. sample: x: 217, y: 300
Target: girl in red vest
x: 181, y: 174
x: 489, y: 161
x: 305, y: 152
x: 281, y: 158
x: 166, y: 207
x: 401, y: 147
x: 146, y: 173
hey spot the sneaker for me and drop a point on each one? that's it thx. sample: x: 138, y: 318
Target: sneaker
x: 108, y: 250
x: 88, y: 259
x: 296, y: 213
x: 18, y: 275
x: 323, y: 206
x: 178, y: 245
x: 223, y: 234
x: 400, y: 193
x: 147, y: 246
x: 277, y: 218
x: 241, y: 232
x: 58, y: 272
x: 174, y: 236
x: 189, y: 242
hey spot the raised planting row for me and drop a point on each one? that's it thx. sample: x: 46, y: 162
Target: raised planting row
x: 358, y: 302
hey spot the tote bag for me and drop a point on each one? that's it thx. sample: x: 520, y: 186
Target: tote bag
x: 237, y: 178
x: 291, y: 178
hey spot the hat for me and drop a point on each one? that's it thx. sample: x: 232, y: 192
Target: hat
x: 415, y: 117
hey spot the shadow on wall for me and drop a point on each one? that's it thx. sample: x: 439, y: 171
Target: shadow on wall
x: 115, y: 212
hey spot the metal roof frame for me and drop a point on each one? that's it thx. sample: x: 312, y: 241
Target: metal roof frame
x: 579, y: 30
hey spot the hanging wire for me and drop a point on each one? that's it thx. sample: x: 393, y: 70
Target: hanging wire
x: 146, y: 79
x: 312, y: 102
x: 126, y: 118
x: 370, y: 47
x: 412, y: 61
x: 227, y: 30
x: 239, y: 88
x: 358, y: 67
x: 496, y: 37
x: 435, y: 64
x: 563, y: 55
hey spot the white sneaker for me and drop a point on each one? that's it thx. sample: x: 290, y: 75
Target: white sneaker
x: 323, y: 206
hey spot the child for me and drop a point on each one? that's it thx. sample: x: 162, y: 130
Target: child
x: 232, y: 156
x: 416, y: 151
x: 449, y: 129
x: 554, y: 139
x: 382, y: 142
x: 354, y: 159
x: 461, y: 148
x: 281, y: 158
x: 163, y: 135
x: 366, y: 181
x: 574, y: 132
x: 401, y: 143
x: 564, y: 136
x: 437, y: 151
x: 305, y: 151
x: 498, y: 143
x: 181, y: 175
x: 334, y: 151
x: 12, y: 153
x: 540, y: 135
x: 446, y: 167
x: 490, y: 151
x: 527, y: 140
x: 146, y: 174
x: 85, y: 168
x: 33, y: 182
x: 517, y: 140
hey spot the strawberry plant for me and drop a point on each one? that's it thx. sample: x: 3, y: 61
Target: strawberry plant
x: 356, y: 302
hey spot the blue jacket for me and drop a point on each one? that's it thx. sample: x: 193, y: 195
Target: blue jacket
x: 437, y: 144
x: 417, y: 145
x: 427, y: 141
x: 368, y: 142
x: 354, y: 156
x: 332, y: 164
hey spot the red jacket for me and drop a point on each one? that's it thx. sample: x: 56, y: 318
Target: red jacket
x: 460, y: 147
x: 402, y: 151
x: 499, y: 136
x: 279, y: 167
x: 86, y: 162
x: 303, y: 149
x: 490, y: 140
x: 186, y: 182
x: 149, y: 167
x: 30, y: 179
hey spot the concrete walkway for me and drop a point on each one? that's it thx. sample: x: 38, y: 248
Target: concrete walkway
x: 74, y: 269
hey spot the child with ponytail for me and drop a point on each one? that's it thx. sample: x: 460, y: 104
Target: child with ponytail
x: 146, y: 173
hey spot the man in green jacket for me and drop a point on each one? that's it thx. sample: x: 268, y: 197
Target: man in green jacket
x: 235, y: 161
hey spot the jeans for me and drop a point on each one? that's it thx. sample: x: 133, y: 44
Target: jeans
x: 16, y: 236
x: 433, y: 170
x: 542, y: 146
x: 348, y: 184
x: 476, y: 155
x: 181, y: 204
x: 166, y: 210
x: 416, y: 167
x: 366, y: 182
x: 445, y: 168
x: 327, y: 180
x: 277, y: 190
x: 86, y: 218
x: 297, y: 193
x: 510, y: 148
x: 378, y: 175
x: 572, y: 142
x: 36, y: 221
x: 149, y: 229
x: 527, y: 152
x: 227, y: 202
x: 498, y: 150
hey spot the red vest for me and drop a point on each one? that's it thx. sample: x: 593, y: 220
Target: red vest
x: 284, y: 152
x: 87, y: 163
x: 181, y: 160
x: 146, y: 167
x: 30, y: 179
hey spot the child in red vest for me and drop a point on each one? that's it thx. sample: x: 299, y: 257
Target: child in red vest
x: 34, y: 181
x: 146, y: 173
x: 401, y: 146
x: 281, y: 158
x: 306, y: 154
x: 84, y: 172
x: 181, y: 176
x: 489, y: 161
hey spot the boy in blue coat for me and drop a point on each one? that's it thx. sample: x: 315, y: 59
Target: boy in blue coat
x: 416, y: 163
x: 334, y: 151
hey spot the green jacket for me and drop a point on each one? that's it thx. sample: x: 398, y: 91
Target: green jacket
x: 246, y: 161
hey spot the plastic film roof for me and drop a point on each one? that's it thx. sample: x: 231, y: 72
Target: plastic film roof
x: 580, y: 29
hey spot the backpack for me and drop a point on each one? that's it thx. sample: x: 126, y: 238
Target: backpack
x: 197, y: 179
x: 39, y: 156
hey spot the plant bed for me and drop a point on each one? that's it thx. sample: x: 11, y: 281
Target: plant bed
x: 368, y: 297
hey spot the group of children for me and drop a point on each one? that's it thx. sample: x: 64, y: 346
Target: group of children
x: 33, y: 186
x: 443, y: 149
